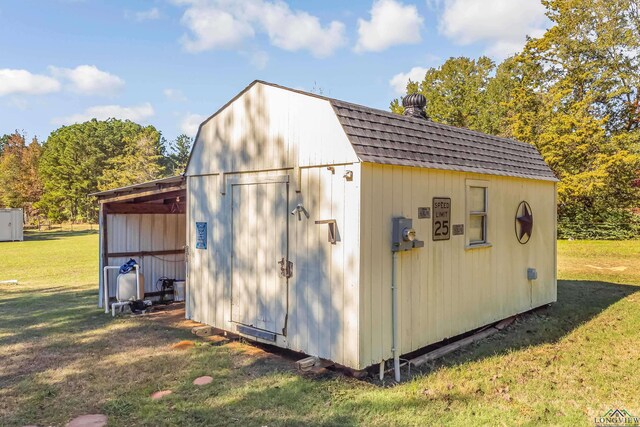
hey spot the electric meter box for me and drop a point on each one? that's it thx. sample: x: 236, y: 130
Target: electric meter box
x: 404, y: 236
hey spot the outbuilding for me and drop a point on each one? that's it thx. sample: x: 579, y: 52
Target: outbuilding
x: 11, y: 225
x: 146, y: 222
x: 354, y: 234
x: 292, y: 200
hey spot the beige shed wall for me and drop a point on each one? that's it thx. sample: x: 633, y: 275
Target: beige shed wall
x: 444, y: 288
x: 323, y: 292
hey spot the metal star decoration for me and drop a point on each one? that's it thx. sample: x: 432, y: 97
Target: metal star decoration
x: 526, y: 223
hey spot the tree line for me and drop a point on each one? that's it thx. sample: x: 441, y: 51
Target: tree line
x: 574, y: 93
x: 53, y: 180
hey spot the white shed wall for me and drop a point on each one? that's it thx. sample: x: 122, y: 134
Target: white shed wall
x: 323, y: 292
x: 11, y: 225
x: 147, y: 232
x: 269, y: 128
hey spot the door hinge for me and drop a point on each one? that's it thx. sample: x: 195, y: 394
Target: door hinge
x: 286, y: 268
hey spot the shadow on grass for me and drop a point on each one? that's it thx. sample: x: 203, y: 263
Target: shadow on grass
x: 55, y: 235
x: 250, y: 387
x: 578, y: 302
x: 47, y: 328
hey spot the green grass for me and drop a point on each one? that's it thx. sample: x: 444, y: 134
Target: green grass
x: 61, y: 357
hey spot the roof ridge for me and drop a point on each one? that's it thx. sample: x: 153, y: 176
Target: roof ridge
x: 394, y: 115
x: 394, y: 140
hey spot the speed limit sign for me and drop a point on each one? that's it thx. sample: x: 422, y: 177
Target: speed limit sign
x: 441, y: 218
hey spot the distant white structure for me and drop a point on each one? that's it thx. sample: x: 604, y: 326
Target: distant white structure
x: 11, y: 225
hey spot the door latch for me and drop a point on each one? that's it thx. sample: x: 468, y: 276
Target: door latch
x: 286, y: 268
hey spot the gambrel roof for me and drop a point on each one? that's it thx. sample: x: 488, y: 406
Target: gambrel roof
x: 383, y: 137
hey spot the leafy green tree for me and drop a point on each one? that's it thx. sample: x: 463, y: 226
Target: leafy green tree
x: 456, y: 92
x: 83, y: 158
x: 20, y: 185
x: 10, y: 171
x: 180, y: 151
x: 140, y: 161
x: 4, y: 139
x: 574, y: 93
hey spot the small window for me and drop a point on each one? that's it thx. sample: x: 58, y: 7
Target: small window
x: 477, y: 206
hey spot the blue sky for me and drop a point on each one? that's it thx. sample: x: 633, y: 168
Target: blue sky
x: 170, y: 63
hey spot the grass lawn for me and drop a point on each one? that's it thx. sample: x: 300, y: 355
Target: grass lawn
x: 61, y: 357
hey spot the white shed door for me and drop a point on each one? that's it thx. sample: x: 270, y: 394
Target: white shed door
x: 258, y: 289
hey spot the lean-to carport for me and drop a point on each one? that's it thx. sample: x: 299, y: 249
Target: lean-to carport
x: 145, y: 222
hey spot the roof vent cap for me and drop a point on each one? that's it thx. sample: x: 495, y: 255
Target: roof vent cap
x: 414, y: 105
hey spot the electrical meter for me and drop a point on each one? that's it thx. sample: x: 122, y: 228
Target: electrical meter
x: 404, y: 236
x: 408, y: 234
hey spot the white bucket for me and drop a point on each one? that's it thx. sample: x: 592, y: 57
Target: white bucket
x: 178, y: 290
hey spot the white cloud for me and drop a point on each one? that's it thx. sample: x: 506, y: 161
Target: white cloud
x: 136, y: 113
x: 400, y: 80
x: 143, y: 15
x: 23, y: 82
x: 503, y: 25
x: 190, y: 124
x: 89, y: 80
x: 226, y: 24
x: 213, y: 28
x: 392, y: 23
x: 175, y: 95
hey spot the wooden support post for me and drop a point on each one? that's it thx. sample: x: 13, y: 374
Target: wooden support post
x: 437, y: 353
x: 203, y: 331
x: 306, y: 363
x: 104, y: 249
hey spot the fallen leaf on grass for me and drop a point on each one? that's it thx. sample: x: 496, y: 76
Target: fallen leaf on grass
x: 183, y: 345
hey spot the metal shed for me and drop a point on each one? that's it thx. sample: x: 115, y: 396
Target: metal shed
x: 11, y: 224
x: 356, y: 235
x: 146, y: 222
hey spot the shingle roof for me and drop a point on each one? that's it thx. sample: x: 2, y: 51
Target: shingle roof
x: 383, y: 137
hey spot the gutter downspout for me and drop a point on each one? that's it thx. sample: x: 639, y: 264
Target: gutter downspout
x: 394, y: 318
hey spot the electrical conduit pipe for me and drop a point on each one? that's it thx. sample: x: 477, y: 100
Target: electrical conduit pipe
x: 394, y: 318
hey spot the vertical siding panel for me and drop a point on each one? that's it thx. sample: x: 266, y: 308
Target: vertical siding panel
x: 324, y: 304
x: 366, y: 265
x: 217, y: 250
x: 303, y: 284
x: 385, y: 211
x: 420, y: 266
x: 457, y: 248
x: 315, y: 275
x: 351, y: 215
x: 181, y: 239
x: 225, y: 277
x: 438, y: 265
x: 406, y: 291
x: 145, y: 243
x: 202, y: 253
x: 293, y: 331
x: 194, y: 264
x: 337, y: 279
x: 449, y: 247
x: 378, y: 316
x: 171, y: 243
